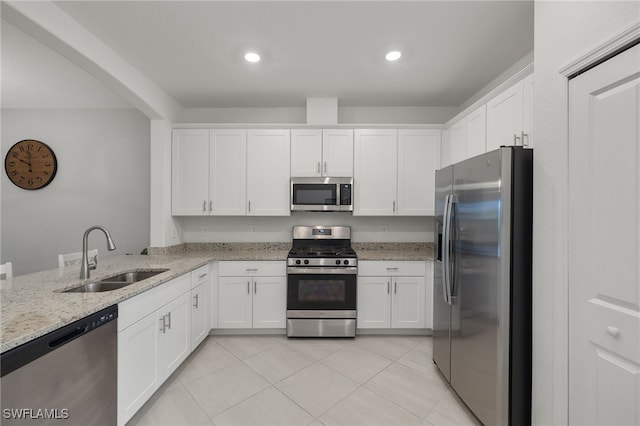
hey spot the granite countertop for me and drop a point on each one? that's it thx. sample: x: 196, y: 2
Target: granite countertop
x: 32, y: 305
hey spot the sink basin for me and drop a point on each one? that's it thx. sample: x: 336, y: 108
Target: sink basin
x: 115, y: 282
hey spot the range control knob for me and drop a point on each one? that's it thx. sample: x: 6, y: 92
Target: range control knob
x: 306, y: 261
x: 346, y: 262
x: 298, y: 262
x: 338, y: 262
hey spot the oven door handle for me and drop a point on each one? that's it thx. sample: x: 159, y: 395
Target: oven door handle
x: 349, y: 270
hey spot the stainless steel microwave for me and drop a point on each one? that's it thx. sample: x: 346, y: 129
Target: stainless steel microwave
x: 331, y: 194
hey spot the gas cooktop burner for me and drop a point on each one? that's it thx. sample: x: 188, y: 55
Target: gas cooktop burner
x: 321, y: 246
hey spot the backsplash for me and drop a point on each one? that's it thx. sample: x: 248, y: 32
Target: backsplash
x: 278, y: 229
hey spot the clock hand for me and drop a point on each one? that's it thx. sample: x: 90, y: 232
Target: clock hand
x: 29, y: 157
x: 25, y: 162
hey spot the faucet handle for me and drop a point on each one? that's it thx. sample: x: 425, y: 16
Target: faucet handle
x: 94, y: 264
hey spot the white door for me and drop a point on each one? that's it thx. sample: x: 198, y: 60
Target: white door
x: 337, y: 152
x: 375, y: 172
x: 374, y: 302
x: 175, y: 341
x: 269, y: 302
x: 504, y: 118
x: 306, y: 152
x: 268, y: 172
x: 228, y: 172
x: 477, y: 132
x: 604, y: 243
x: 407, y: 306
x: 234, y: 302
x: 418, y: 160
x: 190, y: 172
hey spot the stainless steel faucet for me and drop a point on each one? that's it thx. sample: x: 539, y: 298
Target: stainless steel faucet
x: 86, y: 265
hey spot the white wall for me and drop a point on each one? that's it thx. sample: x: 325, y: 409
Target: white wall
x: 564, y: 31
x: 103, y: 178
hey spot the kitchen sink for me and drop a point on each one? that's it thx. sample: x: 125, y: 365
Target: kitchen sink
x: 115, y: 282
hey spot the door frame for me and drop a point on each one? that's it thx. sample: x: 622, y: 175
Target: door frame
x: 558, y: 337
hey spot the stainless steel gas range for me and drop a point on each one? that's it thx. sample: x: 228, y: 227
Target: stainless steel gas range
x: 321, y: 283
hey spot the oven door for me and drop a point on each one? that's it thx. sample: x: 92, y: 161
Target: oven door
x: 316, y: 289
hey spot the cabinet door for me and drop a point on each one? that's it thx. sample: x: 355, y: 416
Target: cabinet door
x: 138, y: 365
x: 175, y: 341
x: 306, y: 152
x: 418, y: 160
x: 428, y: 290
x: 407, y: 307
x: 504, y: 118
x: 527, y: 111
x: 337, y: 152
x: 234, y: 302
x: 190, y: 172
x: 269, y: 302
x: 374, y: 302
x: 268, y: 172
x: 477, y: 132
x: 228, y: 159
x: 200, y: 299
x: 458, y: 141
x: 375, y: 172
x: 445, y: 148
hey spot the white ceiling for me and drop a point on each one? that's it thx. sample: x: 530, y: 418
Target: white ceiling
x: 193, y: 50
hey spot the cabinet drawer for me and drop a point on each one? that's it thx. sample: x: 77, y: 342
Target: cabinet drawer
x: 252, y: 268
x: 138, y: 307
x: 374, y: 268
x: 200, y: 276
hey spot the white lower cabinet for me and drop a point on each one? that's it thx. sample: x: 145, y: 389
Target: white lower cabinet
x: 391, y: 294
x: 157, y: 330
x: 252, y: 294
x: 200, y: 305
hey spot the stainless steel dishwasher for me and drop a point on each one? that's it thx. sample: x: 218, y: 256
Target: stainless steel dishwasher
x: 68, y: 376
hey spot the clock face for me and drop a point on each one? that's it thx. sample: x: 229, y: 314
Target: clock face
x: 30, y: 164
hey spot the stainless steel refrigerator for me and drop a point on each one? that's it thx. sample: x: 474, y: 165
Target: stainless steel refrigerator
x: 482, y: 283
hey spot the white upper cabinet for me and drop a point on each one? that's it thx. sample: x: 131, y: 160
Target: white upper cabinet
x: 458, y: 141
x: 316, y: 152
x: 375, y: 172
x: 227, y: 186
x: 506, y: 116
x: 476, y: 132
x: 268, y: 172
x: 418, y: 159
x: 190, y: 172
x: 208, y: 172
x: 337, y: 152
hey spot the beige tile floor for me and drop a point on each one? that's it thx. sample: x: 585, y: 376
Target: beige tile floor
x: 272, y: 380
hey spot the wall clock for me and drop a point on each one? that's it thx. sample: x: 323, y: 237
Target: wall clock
x: 31, y: 164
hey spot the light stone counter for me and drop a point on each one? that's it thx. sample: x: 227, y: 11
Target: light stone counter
x: 32, y: 305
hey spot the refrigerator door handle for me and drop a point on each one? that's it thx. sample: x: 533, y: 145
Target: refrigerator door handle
x: 446, y: 247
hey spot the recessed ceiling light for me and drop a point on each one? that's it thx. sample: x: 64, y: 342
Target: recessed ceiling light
x: 252, y: 57
x: 394, y: 55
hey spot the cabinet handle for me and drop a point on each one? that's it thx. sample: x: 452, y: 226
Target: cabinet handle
x: 249, y: 206
x: 388, y: 287
x: 325, y: 167
x: 210, y: 205
x: 162, y: 324
x: 196, y: 298
x: 516, y: 138
x: 202, y: 276
x: 318, y: 168
x: 392, y: 269
x: 395, y: 287
x: 248, y: 287
x: 523, y: 135
x: 251, y: 269
x: 204, y: 206
x: 169, y: 316
x: 613, y: 331
x: 255, y: 287
x: 394, y: 206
